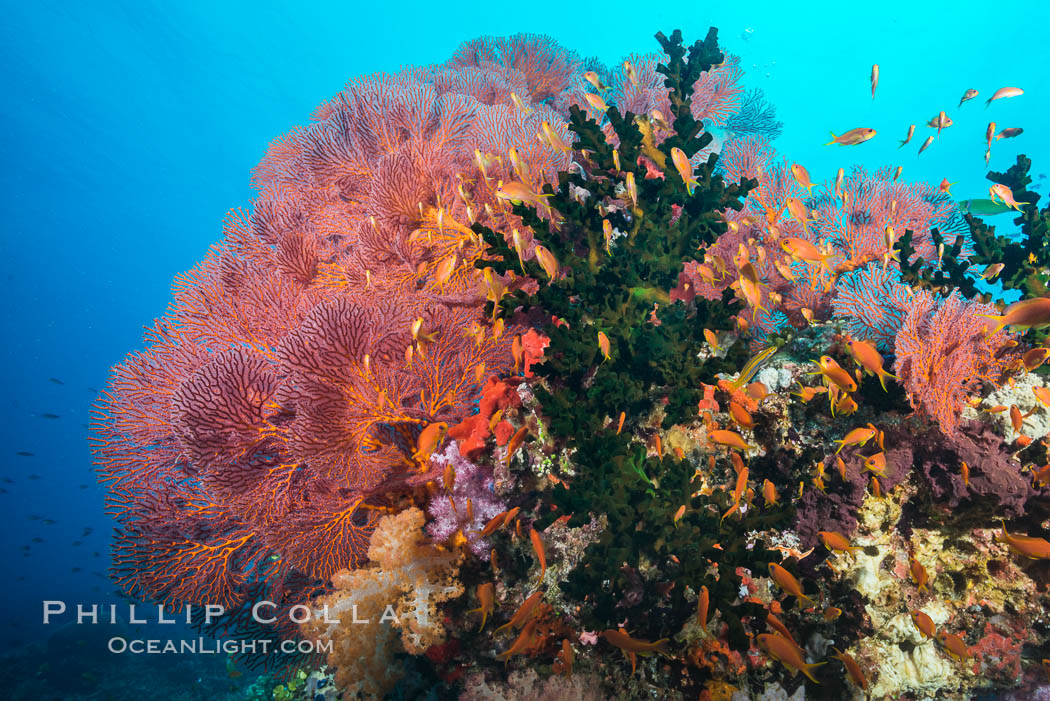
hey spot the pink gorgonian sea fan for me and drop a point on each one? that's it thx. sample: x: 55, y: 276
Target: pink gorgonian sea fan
x: 272, y: 417
x: 944, y: 353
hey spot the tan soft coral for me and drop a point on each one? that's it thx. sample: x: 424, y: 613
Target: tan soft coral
x: 401, y: 591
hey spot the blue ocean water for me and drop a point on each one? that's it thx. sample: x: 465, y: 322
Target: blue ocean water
x: 130, y: 128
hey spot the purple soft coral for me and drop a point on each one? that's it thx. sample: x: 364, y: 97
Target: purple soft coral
x: 449, y: 515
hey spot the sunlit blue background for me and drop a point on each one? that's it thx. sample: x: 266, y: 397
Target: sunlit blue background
x: 129, y: 129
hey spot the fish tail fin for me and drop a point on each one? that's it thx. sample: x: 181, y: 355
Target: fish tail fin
x: 833, y: 139
x: 882, y: 378
x: 1000, y: 324
x: 807, y: 669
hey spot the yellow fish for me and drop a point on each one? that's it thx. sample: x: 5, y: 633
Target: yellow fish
x: 684, y: 168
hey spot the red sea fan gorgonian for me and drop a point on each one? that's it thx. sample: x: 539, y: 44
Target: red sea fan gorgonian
x: 273, y: 416
x: 944, y: 353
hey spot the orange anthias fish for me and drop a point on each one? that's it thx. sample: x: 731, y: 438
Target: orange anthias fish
x: 1016, y: 418
x: 837, y: 542
x: 924, y: 623
x: 537, y: 547
x: 603, y: 345
x: 556, y: 142
x: 856, y: 674
x: 852, y: 137
x: 993, y: 270
x: 547, y: 261
x: 877, y: 464
x: 787, y: 653
x: 741, y: 415
x: 518, y: 192
x: 684, y: 168
x: 868, y: 357
x: 941, y: 121
x: 493, y: 525
x: 429, y: 440
x: 524, y: 613
x: 911, y: 132
x: 1034, y: 358
x: 1002, y: 192
x: 787, y: 582
x: 519, y: 103
x: 805, y: 251
x: 730, y: 439
x: 1026, y: 546
x: 520, y: 644
x: 925, y: 144
x: 1042, y: 394
x: 806, y: 394
x: 1026, y: 314
x: 778, y: 625
x: 769, y: 493
x: 834, y: 374
x: 515, y: 442
x: 702, y: 603
x: 592, y: 78
x: 633, y: 646
x: 596, y: 102
x: 628, y: 70
x: 802, y: 177
x: 487, y: 601
x: 954, y: 645
x: 738, y: 491
x: 968, y: 95
x: 874, y: 79
x: 1003, y: 93
x: 919, y: 575
x: 798, y: 210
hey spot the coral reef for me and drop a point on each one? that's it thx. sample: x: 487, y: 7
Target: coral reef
x: 545, y: 378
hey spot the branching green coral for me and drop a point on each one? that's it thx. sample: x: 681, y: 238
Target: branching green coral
x: 1026, y: 263
x: 951, y: 272
x: 644, y: 562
